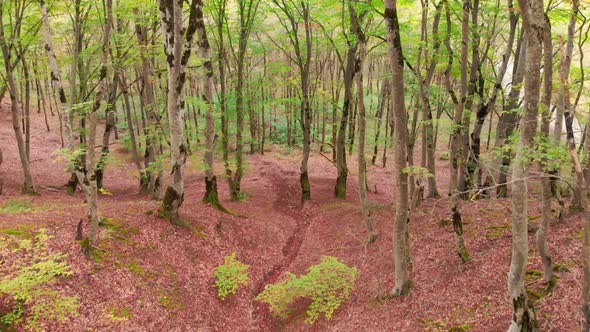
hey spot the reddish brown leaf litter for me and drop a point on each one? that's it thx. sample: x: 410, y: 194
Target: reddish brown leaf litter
x: 163, y: 274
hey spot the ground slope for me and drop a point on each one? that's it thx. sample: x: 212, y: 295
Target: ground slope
x: 162, y: 277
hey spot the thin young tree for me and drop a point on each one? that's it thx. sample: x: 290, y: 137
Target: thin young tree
x: 349, y: 68
x: 88, y: 180
x: 400, y: 228
x: 5, y: 45
x: 247, y: 10
x: 362, y: 163
x: 534, y: 25
x: 152, y: 174
x: 211, y: 195
x: 296, y: 14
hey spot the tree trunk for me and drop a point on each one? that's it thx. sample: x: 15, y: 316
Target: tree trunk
x: 534, y: 25
x: 211, y: 196
x: 178, y: 51
x: 349, y: 72
x: 152, y: 173
x: 488, y: 106
x: 400, y: 246
x: 108, y: 129
x: 541, y: 234
x: 28, y: 186
x: 563, y: 103
x: 362, y: 166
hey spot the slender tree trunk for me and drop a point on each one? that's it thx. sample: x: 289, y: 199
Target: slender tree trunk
x: 28, y: 186
x: 27, y: 106
x: 534, y: 25
x: 541, y: 234
x: 488, y: 106
x: 428, y: 138
x: 349, y: 72
x: 563, y: 105
x: 400, y: 246
x: 88, y: 181
x: 41, y: 101
x: 362, y: 166
x: 211, y: 196
x: 508, y: 122
x: 152, y: 173
x: 457, y: 146
x: 108, y: 129
x: 382, y: 106
x: 246, y: 12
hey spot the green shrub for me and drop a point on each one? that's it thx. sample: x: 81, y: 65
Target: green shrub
x: 27, y: 277
x: 327, y: 284
x: 230, y: 276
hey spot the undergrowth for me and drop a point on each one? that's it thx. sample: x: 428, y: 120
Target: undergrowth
x: 27, y: 274
x: 230, y: 275
x: 327, y: 284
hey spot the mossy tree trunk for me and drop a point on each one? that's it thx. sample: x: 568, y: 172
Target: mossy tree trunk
x: 211, y: 195
x: 177, y: 46
x: 534, y: 25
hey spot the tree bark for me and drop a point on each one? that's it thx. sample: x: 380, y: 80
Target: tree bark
x: 349, y: 72
x: 400, y: 245
x: 362, y: 163
x: 534, y: 25
x: 541, y: 234
x: 178, y: 51
x: 211, y: 195
x: 152, y: 174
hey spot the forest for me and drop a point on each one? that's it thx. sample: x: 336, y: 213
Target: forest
x: 294, y: 165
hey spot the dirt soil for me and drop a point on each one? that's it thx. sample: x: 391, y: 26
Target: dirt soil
x: 163, y: 274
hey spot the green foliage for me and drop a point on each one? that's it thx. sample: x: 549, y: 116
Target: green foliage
x: 27, y: 277
x: 550, y: 154
x: 328, y: 284
x: 22, y: 230
x: 230, y: 276
x: 16, y: 206
x: 417, y: 171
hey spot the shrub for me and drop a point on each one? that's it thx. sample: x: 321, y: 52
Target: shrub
x: 27, y: 276
x: 327, y: 284
x: 230, y: 276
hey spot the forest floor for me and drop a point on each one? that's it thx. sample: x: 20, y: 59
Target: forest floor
x: 161, y: 276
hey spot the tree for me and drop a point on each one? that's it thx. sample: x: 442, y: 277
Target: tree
x: 400, y: 244
x: 296, y: 14
x: 6, y: 46
x: 178, y: 47
x: 424, y: 82
x: 211, y: 195
x: 362, y: 165
x: 246, y: 14
x: 152, y: 174
x: 534, y: 25
x: 349, y: 69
